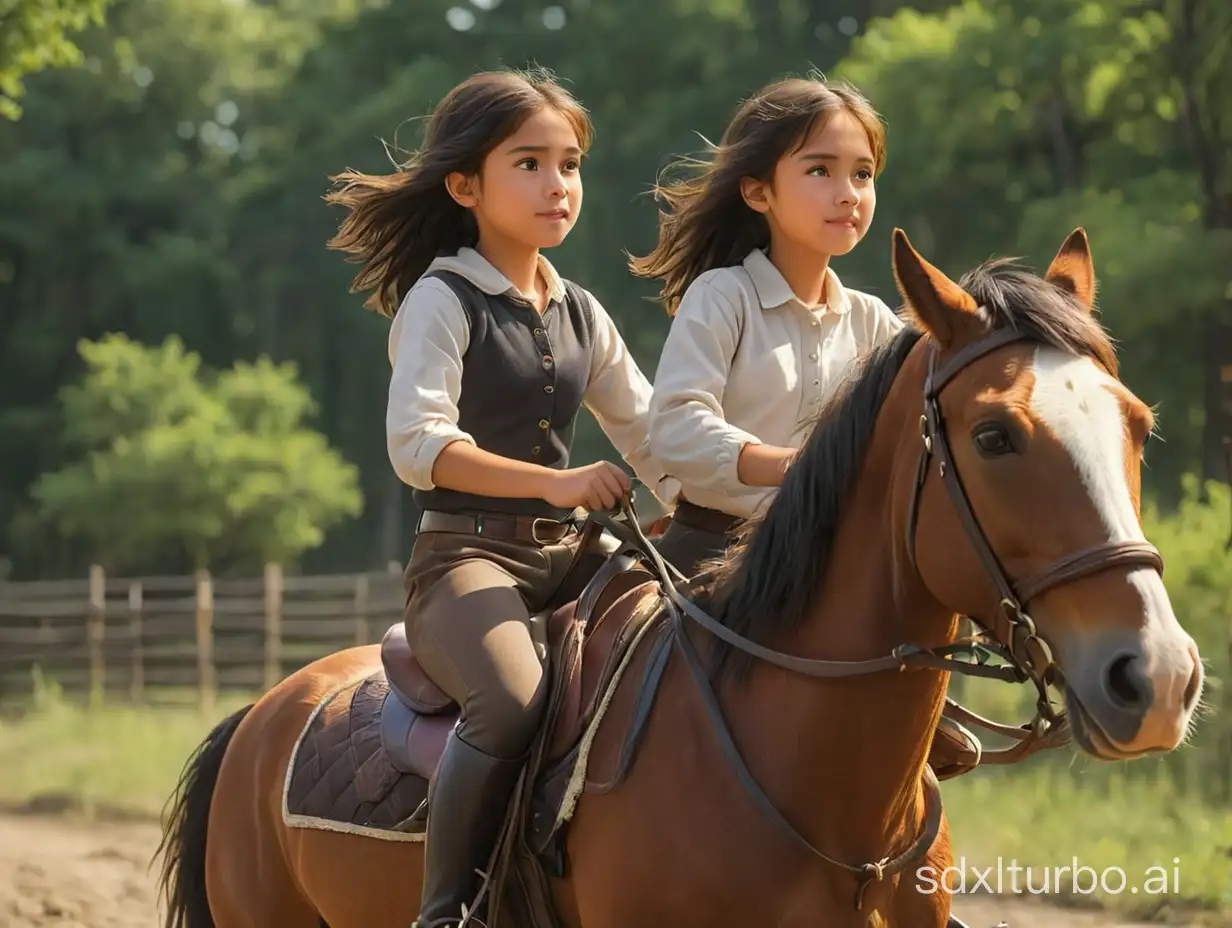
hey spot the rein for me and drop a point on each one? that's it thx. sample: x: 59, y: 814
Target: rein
x: 1010, y: 634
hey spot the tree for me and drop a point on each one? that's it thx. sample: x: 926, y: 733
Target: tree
x: 34, y: 34
x: 179, y: 469
x: 1005, y: 135
x: 118, y: 188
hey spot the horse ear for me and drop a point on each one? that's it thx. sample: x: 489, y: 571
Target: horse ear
x: 1072, y: 269
x: 943, y: 309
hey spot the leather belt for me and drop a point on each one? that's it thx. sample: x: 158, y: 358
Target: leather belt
x: 498, y: 525
x: 704, y: 519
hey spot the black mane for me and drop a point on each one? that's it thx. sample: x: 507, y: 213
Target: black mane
x: 768, y: 580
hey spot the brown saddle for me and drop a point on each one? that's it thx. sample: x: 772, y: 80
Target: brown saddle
x: 418, y: 716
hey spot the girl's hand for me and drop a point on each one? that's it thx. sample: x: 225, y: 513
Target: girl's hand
x: 596, y: 487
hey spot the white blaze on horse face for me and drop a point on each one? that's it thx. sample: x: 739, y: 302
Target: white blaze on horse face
x: 1074, y: 398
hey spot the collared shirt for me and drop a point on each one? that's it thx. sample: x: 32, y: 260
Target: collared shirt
x: 428, y: 340
x: 746, y: 362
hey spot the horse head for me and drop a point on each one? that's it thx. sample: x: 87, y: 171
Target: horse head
x: 1025, y: 511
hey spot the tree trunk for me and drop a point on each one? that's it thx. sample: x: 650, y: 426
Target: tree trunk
x: 1217, y: 433
x: 1201, y: 105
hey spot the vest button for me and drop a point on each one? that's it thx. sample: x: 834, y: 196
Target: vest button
x: 547, y: 361
x: 538, y: 331
x: 549, y: 389
x: 534, y: 450
x: 544, y: 423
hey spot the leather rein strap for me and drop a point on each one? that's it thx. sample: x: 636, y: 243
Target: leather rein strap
x: 1015, y: 638
x: 630, y: 532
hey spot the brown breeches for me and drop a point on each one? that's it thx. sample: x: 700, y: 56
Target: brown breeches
x: 694, y: 536
x: 468, y: 621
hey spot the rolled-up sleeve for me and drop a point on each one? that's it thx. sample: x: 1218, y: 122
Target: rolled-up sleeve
x: 427, y: 340
x: 618, y: 395
x: 689, y: 436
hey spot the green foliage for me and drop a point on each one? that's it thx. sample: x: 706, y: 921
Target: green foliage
x: 172, y: 184
x: 1198, y: 572
x: 1056, y: 815
x: 34, y: 34
x: 1011, y: 122
x: 180, y: 470
x: 106, y: 758
x: 1160, y: 273
x: 1193, y: 540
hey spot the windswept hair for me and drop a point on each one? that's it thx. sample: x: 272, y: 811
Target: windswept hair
x: 396, y: 224
x: 709, y: 224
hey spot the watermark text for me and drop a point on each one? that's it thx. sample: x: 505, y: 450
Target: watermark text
x: 1074, y: 878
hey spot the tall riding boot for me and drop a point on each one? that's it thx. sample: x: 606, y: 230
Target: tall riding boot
x: 466, y: 808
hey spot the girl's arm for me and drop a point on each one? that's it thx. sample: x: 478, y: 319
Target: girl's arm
x: 688, y: 434
x: 618, y: 395
x: 427, y: 340
x: 466, y: 468
x: 764, y: 465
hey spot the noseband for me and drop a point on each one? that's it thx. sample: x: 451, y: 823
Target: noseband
x: 1009, y: 623
x: 1014, y: 635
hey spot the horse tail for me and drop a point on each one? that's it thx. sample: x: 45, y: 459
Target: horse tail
x: 182, y: 883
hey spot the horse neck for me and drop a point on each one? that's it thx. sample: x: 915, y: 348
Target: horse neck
x: 848, y: 753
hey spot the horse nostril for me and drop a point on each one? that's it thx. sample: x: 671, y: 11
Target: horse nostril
x: 1191, y: 690
x: 1126, y: 684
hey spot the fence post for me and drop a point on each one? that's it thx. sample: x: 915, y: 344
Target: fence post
x: 205, y: 642
x: 361, y: 610
x: 273, y: 625
x: 96, y: 619
x: 136, y: 684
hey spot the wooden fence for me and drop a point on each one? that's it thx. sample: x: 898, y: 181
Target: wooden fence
x: 146, y: 639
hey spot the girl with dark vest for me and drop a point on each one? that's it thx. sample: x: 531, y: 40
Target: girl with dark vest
x: 493, y: 354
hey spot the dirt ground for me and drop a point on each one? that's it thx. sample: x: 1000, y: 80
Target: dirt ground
x: 56, y: 873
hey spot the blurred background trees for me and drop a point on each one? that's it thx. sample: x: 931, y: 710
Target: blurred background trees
x: 165, y: 180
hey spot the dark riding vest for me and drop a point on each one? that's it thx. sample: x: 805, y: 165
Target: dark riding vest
x: 523, y: 379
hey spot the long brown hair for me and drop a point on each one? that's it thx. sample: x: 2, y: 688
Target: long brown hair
x: 398, y: 223
x: 709, y: 224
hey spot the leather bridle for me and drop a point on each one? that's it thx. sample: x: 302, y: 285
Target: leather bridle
x: 1010, y: 624
x: 1014, y: 635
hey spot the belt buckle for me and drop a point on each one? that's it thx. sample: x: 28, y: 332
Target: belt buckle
x: 534, y: 530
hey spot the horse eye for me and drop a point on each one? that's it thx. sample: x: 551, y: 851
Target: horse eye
x: 993, y: 441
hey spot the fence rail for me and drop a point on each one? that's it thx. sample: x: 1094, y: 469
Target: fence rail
x: 137, y: 638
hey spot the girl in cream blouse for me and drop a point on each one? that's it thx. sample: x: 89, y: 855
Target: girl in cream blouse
x: 763, y: 329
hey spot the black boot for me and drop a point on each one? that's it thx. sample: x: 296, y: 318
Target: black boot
x: 466, y: 808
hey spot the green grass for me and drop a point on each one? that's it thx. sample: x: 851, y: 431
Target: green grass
x: 1063, y: 805
x: 121, y: 759
x: 1045, y: 816
x: 114, y: 760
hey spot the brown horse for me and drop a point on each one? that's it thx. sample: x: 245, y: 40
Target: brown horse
x: 761, y: 758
